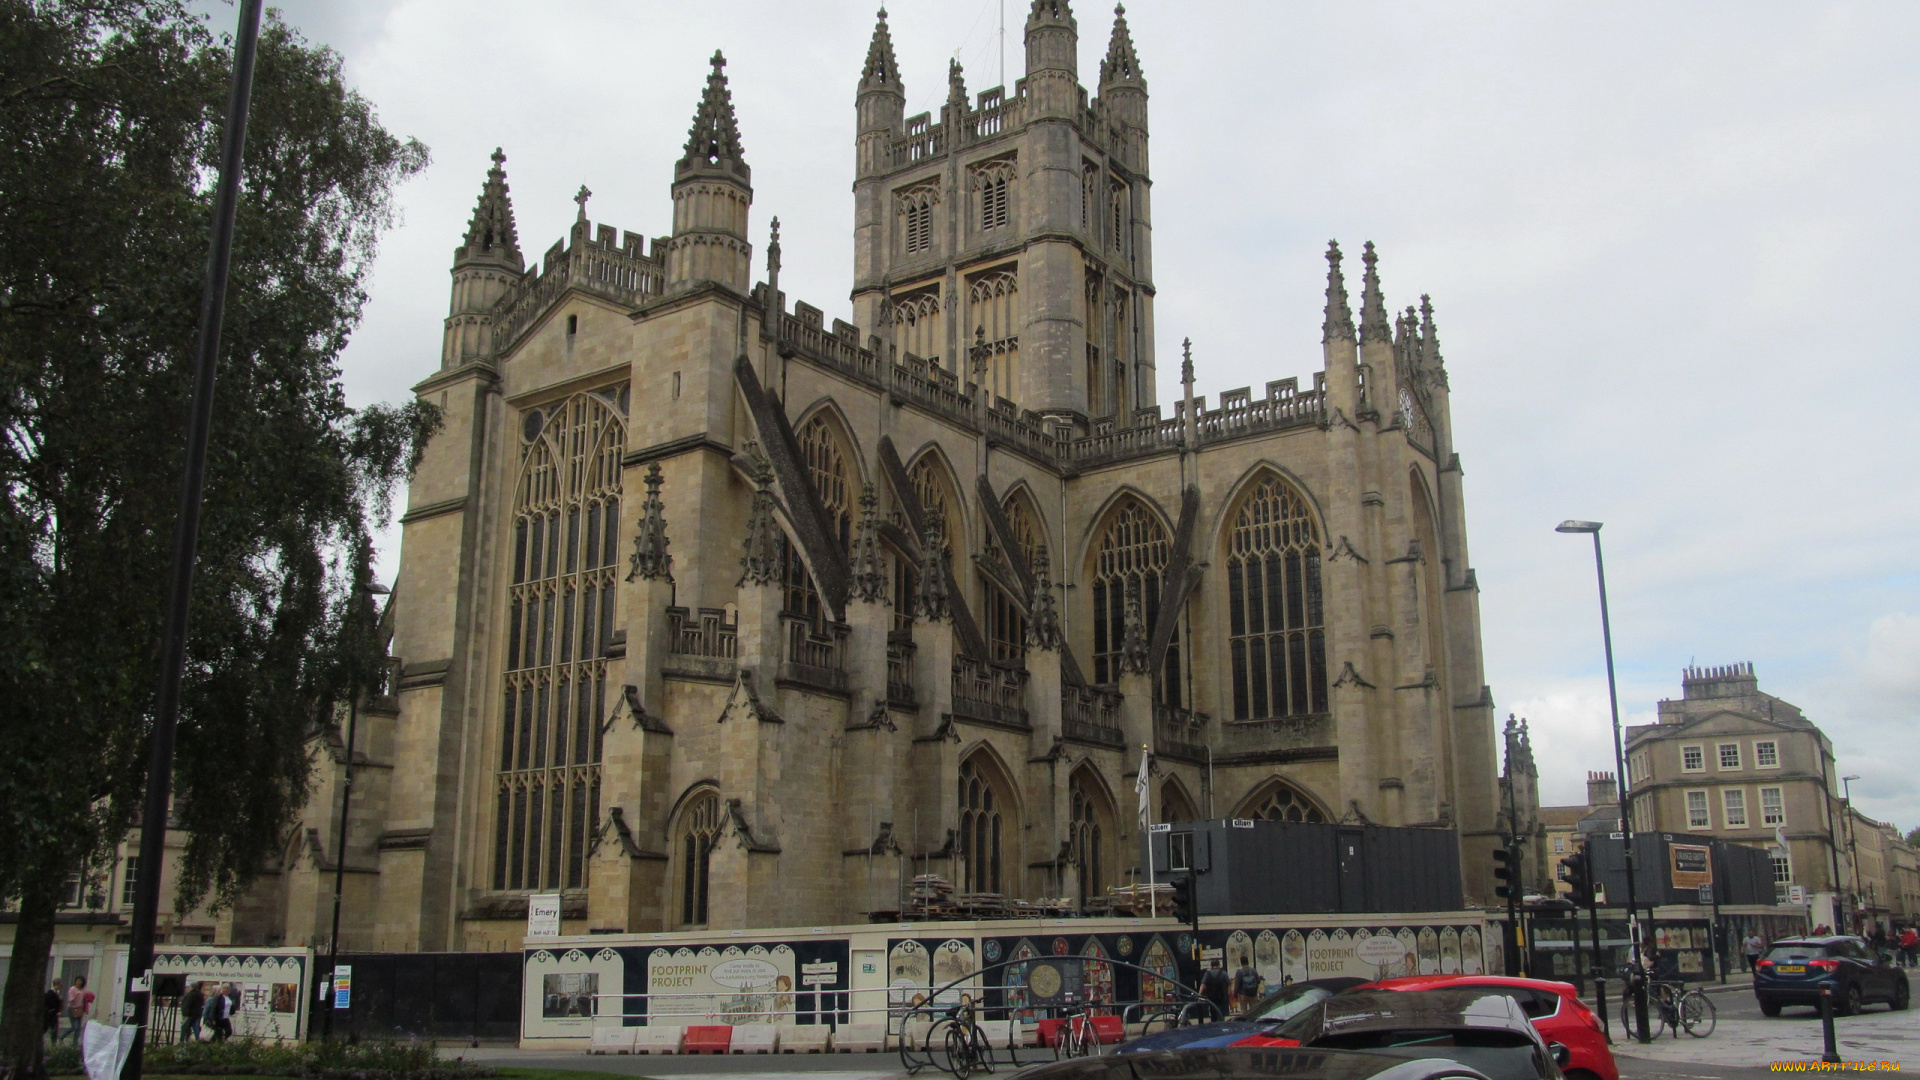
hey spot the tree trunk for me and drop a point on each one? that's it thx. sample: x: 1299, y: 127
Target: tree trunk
x: 25, y: 1010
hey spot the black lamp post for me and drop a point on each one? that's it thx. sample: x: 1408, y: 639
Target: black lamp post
x: 1620, y: 762
x: 340, y: 845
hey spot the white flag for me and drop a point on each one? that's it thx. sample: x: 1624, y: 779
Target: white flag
x: 1780, y: 838
x: 1140, y: 788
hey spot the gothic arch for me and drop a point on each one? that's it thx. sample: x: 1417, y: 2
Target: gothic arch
x: 843, y: 430
x: 1175, y: 803
x: 987, y: 842
x: 931, y: 462
x: 833, y: 467
x: 1019, y: 504
x: 1097, y: 523
x: 1275, y: 626
x: 1223, y: 513
x: 1128, y: 554
x: 693, y: 832
x: 1279, y: 799
x: 1093, y: 830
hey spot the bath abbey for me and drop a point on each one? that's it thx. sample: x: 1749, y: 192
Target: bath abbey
x: 716, y: 610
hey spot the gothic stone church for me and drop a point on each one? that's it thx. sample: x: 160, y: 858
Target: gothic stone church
x: 714, y: 611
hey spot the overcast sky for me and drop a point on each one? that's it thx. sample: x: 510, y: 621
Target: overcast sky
x: 1671, y: 248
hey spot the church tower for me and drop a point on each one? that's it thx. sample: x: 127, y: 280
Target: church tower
x: 712, y: 192
x: 1006, y: 239
x: 486, y: 265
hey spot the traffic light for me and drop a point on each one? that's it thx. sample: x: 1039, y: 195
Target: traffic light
x: 1183, y: 908
x: 1506, y: 870
x: 1578, y: 876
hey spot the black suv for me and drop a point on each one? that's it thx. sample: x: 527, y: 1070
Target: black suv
x: 1793, y: 972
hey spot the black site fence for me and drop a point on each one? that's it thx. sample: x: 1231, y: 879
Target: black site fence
x: 449, y: 996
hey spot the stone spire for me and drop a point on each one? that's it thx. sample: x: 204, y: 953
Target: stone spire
x: 882, y: 70
x: 1373, y: 306
x: 1043, y: 622
x: 1429, y: 337
x: 1133, y: 634
x: 713, y: 143
x: 869, y: 569
x: 932, y: 602
x: 760, y: 563
x: 650, y: 558
x: 956, y: 84
x: 1122, y: 65
x: 1406, y: 345
x: 1339, y: 321
x: 491, y: 232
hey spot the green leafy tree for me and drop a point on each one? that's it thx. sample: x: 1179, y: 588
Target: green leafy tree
x: 110, y: 120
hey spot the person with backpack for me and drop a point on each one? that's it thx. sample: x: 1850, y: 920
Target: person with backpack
x: 1214, y: 985
x: 1246, y: 986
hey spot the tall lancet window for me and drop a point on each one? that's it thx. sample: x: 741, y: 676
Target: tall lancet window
x: 1091, y: 819
x: 1276, y: 625
x: 566, y: 539
x: 698, y: 830
x: 826, y: 461
x: 1133, y: 554
x: 993, y: 318
x: 983, y: 825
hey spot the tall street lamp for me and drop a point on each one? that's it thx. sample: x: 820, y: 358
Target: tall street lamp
x: 1853, y: 854
x: 340, y: 837
x: 1620, y: 763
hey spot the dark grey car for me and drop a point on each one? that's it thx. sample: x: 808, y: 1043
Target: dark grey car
x: 1479, y: 1028
x: 1794, y: 972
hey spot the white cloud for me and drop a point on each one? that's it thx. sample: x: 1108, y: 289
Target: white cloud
x: 1668, y: 245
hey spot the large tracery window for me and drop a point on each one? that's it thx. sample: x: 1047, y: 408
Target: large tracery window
x: 1279, y: 801
x: 981, y: 827
x: 1006, y: 627
x: 566, y: 533
x: 699, y: 830
x: 1277, y: 637
x: 827, y: 468
x: 1133, y: 553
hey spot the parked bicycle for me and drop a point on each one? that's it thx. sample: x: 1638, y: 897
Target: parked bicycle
x: 1671, y: 1006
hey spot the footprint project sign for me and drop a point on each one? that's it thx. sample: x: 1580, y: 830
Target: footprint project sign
x: 733, y: 986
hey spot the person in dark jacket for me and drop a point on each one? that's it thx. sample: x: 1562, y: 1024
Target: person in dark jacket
x: 1214, y: 984
x: 192, y: 1003
x: 56, y: 1001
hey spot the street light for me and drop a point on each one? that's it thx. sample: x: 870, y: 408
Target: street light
x: 1853, y: 853
x: 1620, y: 763
x: 340, y: 853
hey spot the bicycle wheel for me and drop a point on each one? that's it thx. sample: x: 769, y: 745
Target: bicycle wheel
x: 1697, y: 1014
x: 1627, y: 1018
x: 959, y: 1047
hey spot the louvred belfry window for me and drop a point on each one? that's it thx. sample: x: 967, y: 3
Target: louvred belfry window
x: 1277, y: 637
x: 565, y: 541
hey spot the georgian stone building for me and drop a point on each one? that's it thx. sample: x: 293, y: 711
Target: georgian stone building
x: 713, y: 610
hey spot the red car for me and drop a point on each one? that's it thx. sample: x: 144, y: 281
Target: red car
x: 1555, y: 1008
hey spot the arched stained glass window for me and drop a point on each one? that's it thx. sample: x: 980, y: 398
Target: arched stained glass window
x: 1133, y: 552
x: 982, y: 824
x: 566, y: 533
x: 698, y: 830
x: 826, y: 462
x: 1280, y: 801
x: 1276, y: 626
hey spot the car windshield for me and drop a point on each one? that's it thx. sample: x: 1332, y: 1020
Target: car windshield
x: 1289, y: 1003
x: 1795, y: 952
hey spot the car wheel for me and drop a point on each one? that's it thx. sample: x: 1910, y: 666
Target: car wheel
x: 1851, y: 1004
x: 1900, y: 992
x: 1581, y: 1074
x: 1769, y: 1007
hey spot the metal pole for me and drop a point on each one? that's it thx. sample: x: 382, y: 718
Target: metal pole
x: 1599, y: 975
x: 340, y: 861
x: 173, y: 640
x: 1853, y: 860
x: 1626, y: 793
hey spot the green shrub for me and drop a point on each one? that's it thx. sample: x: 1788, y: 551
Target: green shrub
x: 330, y: 1060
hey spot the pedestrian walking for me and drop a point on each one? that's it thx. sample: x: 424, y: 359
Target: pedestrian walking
x: 1909, y: 946
x: 1246, y: 986
x: 1214, y: 983
x: 218, y: 1014
x: 53, y: 1003
x: 79, y: 1006
x: 1755, y: 945
x: 192, y: 1004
